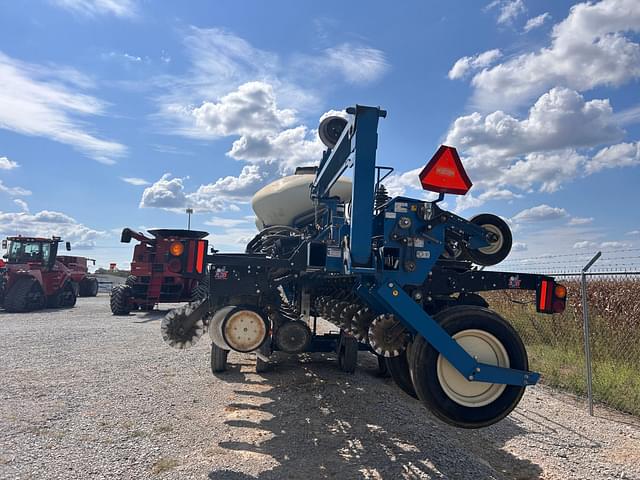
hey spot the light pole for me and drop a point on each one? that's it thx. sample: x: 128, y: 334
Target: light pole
x: 189, y: 212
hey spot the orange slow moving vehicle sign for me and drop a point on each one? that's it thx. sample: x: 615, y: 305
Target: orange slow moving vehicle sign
x: 444, y: 173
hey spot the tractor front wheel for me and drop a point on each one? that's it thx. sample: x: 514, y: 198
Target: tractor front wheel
x: 67, y: 296
x: 25, y: 295
x: 484, y: 335
x: 119, y: 301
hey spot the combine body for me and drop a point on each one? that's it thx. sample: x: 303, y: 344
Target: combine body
x: 32, y: 277
x: 79, y: 271
x: 399, y: 277
x: 168, y: 266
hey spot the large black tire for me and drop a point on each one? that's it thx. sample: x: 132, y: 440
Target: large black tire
x: 131, y: 280
x: 383, y: 371
x: 201, y: 290
x: 424, y: 367
x: 88, y: 287
x: 218, y: 359
x: 67, y: 295
x: 25, y: 295
x: 498, y: 251
x: 119, y: 301
x: 398, y: 367
x: 348, y: 354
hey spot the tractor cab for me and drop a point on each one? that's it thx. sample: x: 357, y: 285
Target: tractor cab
x: 32, y: 250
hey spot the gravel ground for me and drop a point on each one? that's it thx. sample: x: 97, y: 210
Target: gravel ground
x: 88, y: 395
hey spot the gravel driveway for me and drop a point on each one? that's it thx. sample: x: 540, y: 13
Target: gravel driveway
x: 84, y: 394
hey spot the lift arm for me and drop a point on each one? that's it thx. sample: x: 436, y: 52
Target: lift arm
x: 355, y: 148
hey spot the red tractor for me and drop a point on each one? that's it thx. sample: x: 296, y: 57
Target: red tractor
x: 169, y: 266
x: 87, y: 284
x: 31, y: 278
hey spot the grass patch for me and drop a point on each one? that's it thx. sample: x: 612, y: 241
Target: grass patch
x: 555, y: 345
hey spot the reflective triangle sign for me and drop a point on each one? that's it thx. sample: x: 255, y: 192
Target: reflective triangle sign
x: 444, y: 173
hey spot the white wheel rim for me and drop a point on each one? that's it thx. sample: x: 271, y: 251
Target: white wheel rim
x: 485, y: 348
x: 244, y: 330
x: 493, y: 247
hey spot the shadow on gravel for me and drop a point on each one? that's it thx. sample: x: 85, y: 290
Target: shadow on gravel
x: 314, y: 421
x: 558, y: 434
x: 151, y: 316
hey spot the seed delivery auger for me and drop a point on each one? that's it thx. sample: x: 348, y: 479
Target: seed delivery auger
x: 396, y: 275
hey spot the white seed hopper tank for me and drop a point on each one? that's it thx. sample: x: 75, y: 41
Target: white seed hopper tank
x: 286, y: 199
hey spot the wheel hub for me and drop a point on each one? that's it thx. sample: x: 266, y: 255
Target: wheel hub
x: 485, y: 348
x: 496, y: 245
x: 244, y: 330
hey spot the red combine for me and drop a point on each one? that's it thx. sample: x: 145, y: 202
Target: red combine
x: 87, y: 284
x: 169, y: 266
x: 31, y: 277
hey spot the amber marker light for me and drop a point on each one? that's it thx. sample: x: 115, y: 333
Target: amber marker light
x: 560, y: 291
x: 176, y: 249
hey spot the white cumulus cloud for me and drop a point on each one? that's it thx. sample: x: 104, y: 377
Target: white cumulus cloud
x: 6, y: 164
x: 536, y: 22
x: 619, y: 155
x: 47, y: 223
x: 539, y: 213
x: 166, y: 193
x: 250, y: 109
x: 592, y: 47
x: 541, y: 151
x: 508, y: 10
x: 465, y: 65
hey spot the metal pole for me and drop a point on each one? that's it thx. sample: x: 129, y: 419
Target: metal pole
x: 585, y: 320
x: 189, y: 212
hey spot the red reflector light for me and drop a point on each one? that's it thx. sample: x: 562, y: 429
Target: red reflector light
x: 543, y: 294
x: 444, y: 173
x: 200, y: 256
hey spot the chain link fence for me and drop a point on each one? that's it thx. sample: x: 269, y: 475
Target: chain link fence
x: 556, y: 343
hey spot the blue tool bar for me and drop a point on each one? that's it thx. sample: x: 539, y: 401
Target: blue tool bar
x: 355, y: 148
x: 408, y: 310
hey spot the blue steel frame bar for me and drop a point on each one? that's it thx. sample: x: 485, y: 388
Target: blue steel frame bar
x: 404, y: 307
x: 355, y: 148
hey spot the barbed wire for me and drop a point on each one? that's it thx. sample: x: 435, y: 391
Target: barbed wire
x: 582, y: 254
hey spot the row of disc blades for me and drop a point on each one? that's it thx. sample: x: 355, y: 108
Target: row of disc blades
x: 385, y: 333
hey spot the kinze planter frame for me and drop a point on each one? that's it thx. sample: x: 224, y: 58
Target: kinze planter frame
x: 396, y: 275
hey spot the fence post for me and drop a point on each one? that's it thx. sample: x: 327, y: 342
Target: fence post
x: 585, y: 320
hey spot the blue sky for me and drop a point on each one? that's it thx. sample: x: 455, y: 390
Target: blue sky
x: 119, y: 113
